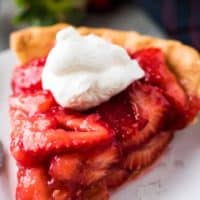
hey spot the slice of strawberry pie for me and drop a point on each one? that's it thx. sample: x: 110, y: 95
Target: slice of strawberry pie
x: 89, y: 114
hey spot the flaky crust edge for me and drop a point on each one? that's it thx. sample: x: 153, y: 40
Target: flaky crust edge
x: 183, y: 60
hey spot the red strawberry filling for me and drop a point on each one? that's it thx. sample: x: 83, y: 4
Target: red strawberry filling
x: 28, y: 78
x: 63, y: 154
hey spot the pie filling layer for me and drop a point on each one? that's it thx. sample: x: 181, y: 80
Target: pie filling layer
x: 64, y: 154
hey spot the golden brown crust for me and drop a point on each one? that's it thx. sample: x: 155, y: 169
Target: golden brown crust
x: 184, y: 61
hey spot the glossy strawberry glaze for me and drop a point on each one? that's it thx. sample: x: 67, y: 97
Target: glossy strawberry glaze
x: 73, y: 155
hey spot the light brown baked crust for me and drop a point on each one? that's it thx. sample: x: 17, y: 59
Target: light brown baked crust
x: 184, y: 61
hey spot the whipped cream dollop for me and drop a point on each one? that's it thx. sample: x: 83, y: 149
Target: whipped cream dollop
x: 84, y: 71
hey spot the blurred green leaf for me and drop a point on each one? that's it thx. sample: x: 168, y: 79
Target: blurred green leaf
x: 45, y: 12
x: 21, y: 3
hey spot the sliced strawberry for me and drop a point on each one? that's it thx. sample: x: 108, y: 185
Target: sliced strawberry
x: 115, y: 177
x: 40, y: 101
x: 91, y: 176
x: 17, y: 118
x: 20, y: 119
x: 32, y: 184
x: 59, y: 194
x: 28, y: 78
x: 145, y: 155
x: 86, y: 130
x: 97, y: 164
x: 42, y: 122
x: 152, y: 105
x: 152, y: 60
x: 66, y: 168
x: 20, y: 122
x: 103, y: 159
x: 33, y: 139
x: 62, y: 190
x: 118, y: 113
x: 157, y: 73
x: 96, y: 192
x: 135, y: 114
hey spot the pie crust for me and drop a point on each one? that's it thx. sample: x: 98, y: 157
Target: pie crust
x: 183, y: 60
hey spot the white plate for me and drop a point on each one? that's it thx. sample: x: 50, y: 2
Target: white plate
x: 176, y: 176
